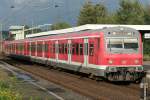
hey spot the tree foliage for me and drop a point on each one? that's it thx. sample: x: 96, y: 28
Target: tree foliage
x: 92, y: 14
x: 61, y: 25
x: 130, y: 12
x: 147, y: 15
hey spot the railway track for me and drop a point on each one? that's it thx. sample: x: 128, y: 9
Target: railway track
x: 101, y: 90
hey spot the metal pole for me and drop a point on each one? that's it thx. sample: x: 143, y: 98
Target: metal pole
x: 24, y: 35
x: 32, y: 26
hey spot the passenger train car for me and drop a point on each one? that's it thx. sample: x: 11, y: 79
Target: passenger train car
x: 113, y: 53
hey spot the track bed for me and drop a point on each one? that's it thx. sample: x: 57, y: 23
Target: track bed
x: 91, y: 88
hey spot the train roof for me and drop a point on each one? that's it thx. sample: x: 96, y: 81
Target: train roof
x: 87, y: 27
x: 82, y: 33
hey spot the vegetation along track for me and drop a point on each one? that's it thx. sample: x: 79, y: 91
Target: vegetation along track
x: 101, y: 90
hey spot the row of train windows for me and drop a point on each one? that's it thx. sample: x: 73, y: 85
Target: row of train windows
x: 76, y: 48
x: 19, y: 47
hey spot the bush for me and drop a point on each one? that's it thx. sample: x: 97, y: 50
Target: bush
x: 6, y: 92
x: 146, y: 58
x: 9, y: 95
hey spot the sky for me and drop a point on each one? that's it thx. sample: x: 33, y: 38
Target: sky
x: 38, y: 12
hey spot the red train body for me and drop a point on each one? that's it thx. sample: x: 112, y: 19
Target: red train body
x: 113, y: 53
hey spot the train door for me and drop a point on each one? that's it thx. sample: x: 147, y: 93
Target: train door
x: 21, y: 48
x: 33, y: 48
x: 69, y: 51
x: 93, y: 49
x: 25, y: 48
x: 39, y: 49
x: 52, y: 48
x: 17, y: 49
x: 46, y: 49
x: 28, y: 48
x: 63, y: 50
x: 13, y: 48
x: 77, y: 50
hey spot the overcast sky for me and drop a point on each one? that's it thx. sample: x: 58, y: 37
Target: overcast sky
x: 36, y: 12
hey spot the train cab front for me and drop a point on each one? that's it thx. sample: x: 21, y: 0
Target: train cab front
x: 123, y: 55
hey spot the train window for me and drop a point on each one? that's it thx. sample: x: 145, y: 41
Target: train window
x: 13, y: 47
x: 73, y: 49
x: 77, y: 48
x: 46, y: 48
x: 32, y: 47
x: 21, y: 47
x: 39, y: 47
x: 62, y: 48
x: 81, y: 49
x: 114, y: 43
x: 17, y: 47
x: 66, y: 49
x: 130, y: 44
x: 91, y: 49
x: 52, y: 48
x: 28, y: 47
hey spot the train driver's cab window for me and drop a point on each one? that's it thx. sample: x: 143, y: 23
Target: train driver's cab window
x: 130, y: 43
x: 91, y: 49
x: 114, y: 43
x: 122, y: 45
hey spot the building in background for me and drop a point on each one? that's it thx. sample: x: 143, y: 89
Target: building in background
x: 16, y: 32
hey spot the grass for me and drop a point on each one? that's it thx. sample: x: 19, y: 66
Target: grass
x: 7, y: 93
x: 11, y: 88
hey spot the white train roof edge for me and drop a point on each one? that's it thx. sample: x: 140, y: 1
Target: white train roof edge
x: 87, y: 27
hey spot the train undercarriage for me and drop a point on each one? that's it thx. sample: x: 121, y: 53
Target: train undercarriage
x: 125, y: 73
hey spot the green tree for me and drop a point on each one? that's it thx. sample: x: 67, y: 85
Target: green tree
x: 61, y: 25
x: 101, y: 14
x: 147, y: 15
x: 87, y: 14
x: 93, y: 14
x: 130, y: 12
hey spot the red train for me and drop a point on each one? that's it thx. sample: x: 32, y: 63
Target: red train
x: 113, y: 53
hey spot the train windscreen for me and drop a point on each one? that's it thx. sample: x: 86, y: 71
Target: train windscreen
x: 122, y: 45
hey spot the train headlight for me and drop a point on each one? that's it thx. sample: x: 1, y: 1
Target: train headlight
x: 114, y: 33
x: 136, y: 61
x: 124, y: 61
x: 110, y: 61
